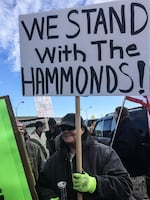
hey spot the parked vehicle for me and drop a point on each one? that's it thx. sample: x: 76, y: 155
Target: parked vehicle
x: 105, y: 126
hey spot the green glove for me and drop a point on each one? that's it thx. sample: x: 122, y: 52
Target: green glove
x: 56, y: 198
x: 84, y: 182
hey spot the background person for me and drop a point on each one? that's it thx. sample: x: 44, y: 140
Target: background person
x: 36, y: 156
x: 38, y: 137
x: 103, y: 177
x: 53, y: 132
x: 92, y: 126
x: 127, y: 143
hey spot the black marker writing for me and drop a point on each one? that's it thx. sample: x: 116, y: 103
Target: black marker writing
x: 44, y: 80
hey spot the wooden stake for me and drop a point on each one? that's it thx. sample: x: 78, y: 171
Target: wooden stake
x: 78, y: 143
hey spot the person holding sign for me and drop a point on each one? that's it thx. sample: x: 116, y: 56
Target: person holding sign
x: 103, y: 176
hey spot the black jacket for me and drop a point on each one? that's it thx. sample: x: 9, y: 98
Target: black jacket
x: 127, y: 144
x: 50, y: 139
x: 101, y: 161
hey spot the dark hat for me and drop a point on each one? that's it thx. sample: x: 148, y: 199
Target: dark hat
x: 51, y: 121
x: 39, y: 124
x: 70, y: 119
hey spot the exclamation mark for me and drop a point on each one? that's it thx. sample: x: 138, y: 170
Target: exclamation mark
x: 141, y: 67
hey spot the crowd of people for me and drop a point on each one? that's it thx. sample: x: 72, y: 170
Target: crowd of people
x: 114, y: 172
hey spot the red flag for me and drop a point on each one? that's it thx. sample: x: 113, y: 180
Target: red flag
x: 145, y: 102
x: 140, y: 99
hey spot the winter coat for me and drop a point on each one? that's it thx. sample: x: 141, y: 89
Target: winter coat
x: 127, y: 144
x: 100, y: 161
x: 36, y: 157
x: 40, y: 141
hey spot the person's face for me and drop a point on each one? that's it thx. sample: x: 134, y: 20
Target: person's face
x: 21, y: 130
x: 69, y: 134
x: 40, y: 129
x: 115, y: 115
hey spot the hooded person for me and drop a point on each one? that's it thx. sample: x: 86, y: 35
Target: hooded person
x: 104, y: 176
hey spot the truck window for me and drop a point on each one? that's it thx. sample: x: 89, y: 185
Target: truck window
x: 98, y: 131
x: 108, y: 127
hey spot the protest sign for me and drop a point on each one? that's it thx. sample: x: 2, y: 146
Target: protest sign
x: 43, y: 106
x: 102, y: 49
x: 16, y: 178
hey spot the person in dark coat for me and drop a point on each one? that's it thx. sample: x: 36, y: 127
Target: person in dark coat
x: 51, y: 134
x: 104, y: 176
x: 127, y: 144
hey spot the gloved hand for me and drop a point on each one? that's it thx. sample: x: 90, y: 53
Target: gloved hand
x: 84, y: 182
x: 56, y: 198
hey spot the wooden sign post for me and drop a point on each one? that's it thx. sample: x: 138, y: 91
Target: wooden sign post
x: 78, y: 143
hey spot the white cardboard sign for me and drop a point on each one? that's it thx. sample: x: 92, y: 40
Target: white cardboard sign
x: 102, y: 49
x: 43, y: 106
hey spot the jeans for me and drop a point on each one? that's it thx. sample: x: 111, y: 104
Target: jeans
x: 139, y: 188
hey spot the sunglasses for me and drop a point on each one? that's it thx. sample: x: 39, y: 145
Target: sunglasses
x: 68, y: 128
